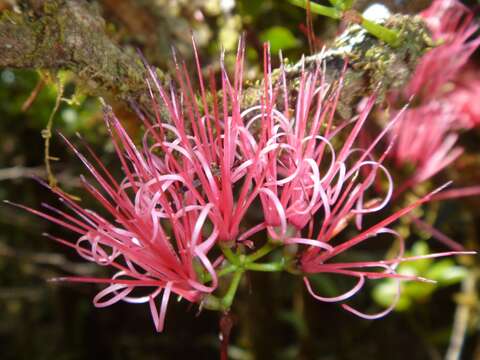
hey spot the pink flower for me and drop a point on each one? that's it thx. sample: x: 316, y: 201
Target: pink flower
x: 427, y: 136
x: 186, y: 189
x: 452, y: 26
x: 218, y: 151
x: 316, y: 260
x: 465, y: 96
x: 426, y: 140
x: 306, y: 174
x: 205, y: 163
x: 157, y: 240
x: 315, y: 189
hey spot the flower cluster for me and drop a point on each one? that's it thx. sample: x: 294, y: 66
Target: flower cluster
x: 442, y: 104
x: 211, y: 178
x: 465, y: 95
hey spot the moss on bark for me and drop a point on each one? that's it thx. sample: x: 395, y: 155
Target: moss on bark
x: 70, y: 34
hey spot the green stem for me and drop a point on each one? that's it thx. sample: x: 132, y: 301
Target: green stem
x: 211, y: 302
x: 230, y: 255
x: 347, y: 4
x: 381, y: 32
x: 232, y: 290
x: 267, y: 267
x: 342, y: 4
x: 318, y: 9
x: 227, y: 270
x: 336, y: 3
x: 264, y: 250
x: 239, y: 263
x: 222, y: 272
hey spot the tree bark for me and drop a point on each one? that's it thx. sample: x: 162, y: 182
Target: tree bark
x: 71, y: 35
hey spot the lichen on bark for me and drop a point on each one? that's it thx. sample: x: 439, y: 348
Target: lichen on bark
x: 367, y: 64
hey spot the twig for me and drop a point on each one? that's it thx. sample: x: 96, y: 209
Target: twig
x: 53, y: 259
x: 32, y: 294
x: 47, y: 135
x: 21, y: 172
x: 18, y: 172
x: 226, y: 324
x: 462, y: 316
x: 40, y: 85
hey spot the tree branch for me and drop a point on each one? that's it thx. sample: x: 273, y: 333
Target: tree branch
x: 70, y: 34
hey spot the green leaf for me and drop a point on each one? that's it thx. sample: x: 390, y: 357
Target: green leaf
x: 384, y: 294
x: 420, y: 248
x: 446, y: 272
x: 280, y: 38
x: 418, y: 291
x: 409, y: 269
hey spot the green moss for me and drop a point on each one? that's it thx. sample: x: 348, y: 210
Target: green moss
x: 52, y: 7
x: 66, y: 37
x: 381, y: 67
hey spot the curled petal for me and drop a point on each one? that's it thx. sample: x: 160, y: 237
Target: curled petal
x: 388, y: 196
x: 158, y: 316
x: 279, y: 209
x: 136, y: 299
x: 344, y: 296
x: 311, y: 242
x: 100, y: 301
x: 380, y: 314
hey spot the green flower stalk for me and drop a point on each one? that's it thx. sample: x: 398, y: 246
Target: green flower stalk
x: 341, y: 10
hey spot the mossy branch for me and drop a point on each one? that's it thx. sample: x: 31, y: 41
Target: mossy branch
x: 71, y: 35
